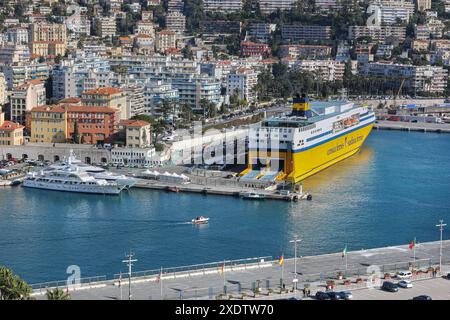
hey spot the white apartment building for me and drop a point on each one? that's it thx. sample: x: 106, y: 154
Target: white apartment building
x: 223, y: 5
x: 176, y: 21
x: 17, y: 35
x: 175, y: 5
x: 377, y: 33
x: 326, y: 70
x: 417, y: 78
x: 328, y: 5
x: 72, y: 77
x: 242, y: 82
x: 269, y: 6
x: 25, y: 97
x: 17, y: 74
x: 145, y: 28
x: 14, y: 53
x: 3, y: 93
x: 260, y: 32
x: 423, y: 5
x: 105, y: 26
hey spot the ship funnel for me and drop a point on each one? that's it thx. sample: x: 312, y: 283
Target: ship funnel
x: 301, y: 107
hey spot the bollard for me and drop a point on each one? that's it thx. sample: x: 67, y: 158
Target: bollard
x: 225, y: 290
x: 239, y: 288
x: 267, y: 284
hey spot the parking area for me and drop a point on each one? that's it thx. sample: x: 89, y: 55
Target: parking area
x: 437, y: 289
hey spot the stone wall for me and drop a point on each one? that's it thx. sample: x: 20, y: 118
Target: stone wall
x: 47, y: 151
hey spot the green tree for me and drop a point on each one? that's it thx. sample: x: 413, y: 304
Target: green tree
x: 76, y: 133
x: 57, y: 294
x: 187, y: 52
x: 12, y: 287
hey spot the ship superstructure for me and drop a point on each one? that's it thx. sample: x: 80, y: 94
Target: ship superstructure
x: 312, y: 137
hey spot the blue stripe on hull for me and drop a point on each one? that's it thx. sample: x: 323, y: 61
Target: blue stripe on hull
x: 332, y: 138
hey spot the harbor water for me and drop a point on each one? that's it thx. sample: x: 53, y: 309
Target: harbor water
x: 395, y: 189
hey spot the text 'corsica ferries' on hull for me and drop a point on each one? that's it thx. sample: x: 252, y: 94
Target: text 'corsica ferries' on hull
x: 312, y: 137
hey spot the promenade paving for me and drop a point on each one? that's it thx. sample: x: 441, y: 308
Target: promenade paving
x: 312, y: 269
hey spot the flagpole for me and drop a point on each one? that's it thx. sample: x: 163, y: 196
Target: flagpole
x: 223, y: 273
x: 346, y: 264
x: 414, y: 252
x: 160, y: 283
x: 282, y: 273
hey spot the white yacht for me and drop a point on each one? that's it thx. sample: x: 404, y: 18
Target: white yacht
x: 72, y: 181
x: 73, y: 163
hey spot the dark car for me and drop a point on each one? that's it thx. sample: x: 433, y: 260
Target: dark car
x: 335, y: 295
x: 422, y: 297
x: 448, y: 276
x: 320, y: 295
x: 389, y: 286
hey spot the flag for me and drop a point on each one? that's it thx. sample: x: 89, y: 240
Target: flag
x: 344, y: 252
x: 222, y: 269
x: 281, y: 261
x: 412, y: 244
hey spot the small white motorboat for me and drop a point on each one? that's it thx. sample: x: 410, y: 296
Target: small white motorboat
x: 200, y: 220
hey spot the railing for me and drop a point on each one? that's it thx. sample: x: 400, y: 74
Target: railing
x: 198, y: 268
x: 63, y: 284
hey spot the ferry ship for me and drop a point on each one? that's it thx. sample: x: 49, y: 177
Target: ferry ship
x: 71, y: 181
x: 315, y: 135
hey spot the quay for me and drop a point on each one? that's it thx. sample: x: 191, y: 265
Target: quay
x: 222, y: 190
x: 261, y: 278
x: 412, y: 126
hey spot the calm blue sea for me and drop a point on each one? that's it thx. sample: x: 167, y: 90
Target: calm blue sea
x: 395, y: 189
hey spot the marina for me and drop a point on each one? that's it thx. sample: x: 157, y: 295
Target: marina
x: 364, y: 201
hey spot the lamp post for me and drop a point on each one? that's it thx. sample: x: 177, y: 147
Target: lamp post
x: 295, y: 281
x: 441, y: 226
x: 129, y: 261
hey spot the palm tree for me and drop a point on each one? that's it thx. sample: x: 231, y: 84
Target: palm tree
x: 57, y: 294
x: 12, y: 287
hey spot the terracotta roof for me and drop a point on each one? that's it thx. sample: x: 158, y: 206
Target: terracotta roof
x: 134, y: 123
x: 10, y: 126
x: 72, y: 108
x: 56, y: 109
x: 70, y: 100
x: 103, y: 91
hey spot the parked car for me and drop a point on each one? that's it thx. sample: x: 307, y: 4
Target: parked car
x: 404, y: 275
x: 389, y: 286
x: 335, y: 295
x: 320, y: 295
x: 405, y: 284
x: 422, y: 297
x: 448, y: 276
x: 346, y: 295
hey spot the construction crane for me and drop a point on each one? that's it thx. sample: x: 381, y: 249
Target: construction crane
x: 392, y: 109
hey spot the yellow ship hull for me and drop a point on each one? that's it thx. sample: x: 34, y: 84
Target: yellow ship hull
x: 301, y: 164
x: 318, y: 158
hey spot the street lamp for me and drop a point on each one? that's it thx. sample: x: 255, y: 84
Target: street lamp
x: 295, y: 241
x: 441, y: 226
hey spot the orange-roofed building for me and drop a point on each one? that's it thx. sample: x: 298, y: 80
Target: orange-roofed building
x: 253, y: 49
x: 138, y: 133
x: 56, y: 124
x: 107, y: 97
x: 11, y: 133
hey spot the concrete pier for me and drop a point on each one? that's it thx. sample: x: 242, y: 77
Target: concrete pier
x: 411, y: 126
x: 261, y: 278
x: 234, y: 191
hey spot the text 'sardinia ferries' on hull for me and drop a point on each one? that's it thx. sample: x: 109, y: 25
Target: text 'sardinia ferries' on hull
x: 312, y: 137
